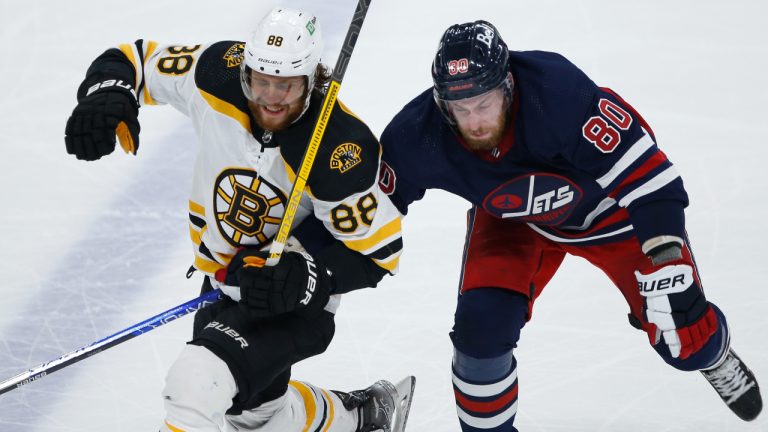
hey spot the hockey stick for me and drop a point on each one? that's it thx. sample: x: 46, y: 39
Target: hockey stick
x: 278, y: 243
x: 275, y: 251
x: 75, y: 356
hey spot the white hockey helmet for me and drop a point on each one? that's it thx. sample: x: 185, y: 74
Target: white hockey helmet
x: 286, y: 43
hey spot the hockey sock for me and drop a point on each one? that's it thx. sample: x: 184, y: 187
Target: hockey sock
x: 486, y: 392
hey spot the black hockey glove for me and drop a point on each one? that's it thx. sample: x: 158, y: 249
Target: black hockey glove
x: 297, y: 283
x: 105, y: 107
x: 228, y: 275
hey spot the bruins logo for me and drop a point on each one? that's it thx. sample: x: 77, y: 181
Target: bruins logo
x: 346, y: 156
x: 248, y: 209
x: 234, y: 55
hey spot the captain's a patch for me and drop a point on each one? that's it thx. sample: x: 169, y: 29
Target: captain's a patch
x: 345, y: 157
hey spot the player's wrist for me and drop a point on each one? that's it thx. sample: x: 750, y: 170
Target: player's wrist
x: 665, y: 253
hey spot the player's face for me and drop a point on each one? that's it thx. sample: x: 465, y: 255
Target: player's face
x: 276, y: 101
x: 481, y: 119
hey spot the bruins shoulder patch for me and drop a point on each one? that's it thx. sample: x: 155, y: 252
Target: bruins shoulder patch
x: 345, y: 157
x: 234, y: 55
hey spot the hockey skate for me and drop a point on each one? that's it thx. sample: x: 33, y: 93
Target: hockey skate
x: 736, y: 385
x: 382, y: 406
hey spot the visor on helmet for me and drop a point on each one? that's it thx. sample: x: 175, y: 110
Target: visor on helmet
x: 454, y: 108
x: 270, y: 90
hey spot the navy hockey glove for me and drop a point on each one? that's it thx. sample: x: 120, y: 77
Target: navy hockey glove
x: 105, y: 107
x: 675, y: 308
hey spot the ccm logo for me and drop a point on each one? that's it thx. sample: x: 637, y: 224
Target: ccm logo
x: 110, y: 83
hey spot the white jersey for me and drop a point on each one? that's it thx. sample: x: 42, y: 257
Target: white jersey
x: 243, y: 174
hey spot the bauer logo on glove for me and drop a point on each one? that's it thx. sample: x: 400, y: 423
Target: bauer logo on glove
x: 671, y: 279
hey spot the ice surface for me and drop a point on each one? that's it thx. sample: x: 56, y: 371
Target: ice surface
x: 90, y: 248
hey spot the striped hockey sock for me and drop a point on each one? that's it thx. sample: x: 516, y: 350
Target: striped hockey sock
x: 486, y: 392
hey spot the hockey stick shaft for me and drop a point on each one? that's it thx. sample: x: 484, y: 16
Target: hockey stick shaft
x: 75, y: 356
x: 278, y: 244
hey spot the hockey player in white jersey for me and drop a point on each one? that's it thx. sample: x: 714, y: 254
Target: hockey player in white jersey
x: 253, y: 107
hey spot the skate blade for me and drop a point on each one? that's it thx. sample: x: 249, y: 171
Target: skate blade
x: 405, y: 390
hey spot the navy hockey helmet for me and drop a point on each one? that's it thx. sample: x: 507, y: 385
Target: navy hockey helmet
x: 471, y: 59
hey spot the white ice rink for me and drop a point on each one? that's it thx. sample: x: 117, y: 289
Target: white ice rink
x: 87, y: 249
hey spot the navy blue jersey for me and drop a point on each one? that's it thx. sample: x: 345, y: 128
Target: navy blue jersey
x: 582, y: 167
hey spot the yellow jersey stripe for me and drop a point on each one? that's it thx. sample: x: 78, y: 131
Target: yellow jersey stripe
x: 390, y: 265
x: 227, y: 109
x: 151, y: 47
x: 309, y: 402
x: 330, y: 410
x: 391, y: 228
x: 195, y: 236
x: 196, y: 208
x: 348, y: 111
x: 207, y: 266
x: 172, y: 427
x: 128, y: 51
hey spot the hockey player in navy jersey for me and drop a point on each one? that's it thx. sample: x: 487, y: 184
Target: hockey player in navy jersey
x: 552, y: 165
x: 253, y: 106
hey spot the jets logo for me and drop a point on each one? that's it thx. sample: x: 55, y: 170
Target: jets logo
x: 540, y: 198
x: 346, y: 156
x: 234, y: 55
x: 248, y: 209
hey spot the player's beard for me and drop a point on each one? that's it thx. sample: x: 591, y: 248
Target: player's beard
x: 496, y: 130
x: 274, y: 124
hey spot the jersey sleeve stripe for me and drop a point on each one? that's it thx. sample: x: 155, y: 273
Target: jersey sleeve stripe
x: 390, y: 264
x: 387, y: 251
x: 348, y: 111
x: 650, y: 186
x: 364, y: 245
x: 649, y: 165
x: 195, y: 236
x: 227, y: 109
x: 132, y: 53
x: 196, y: 221
x: 151, y: 47
x: 207, y: 266
x: 635, y: 151
x: 203, y: 249
x: 196, y: 208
